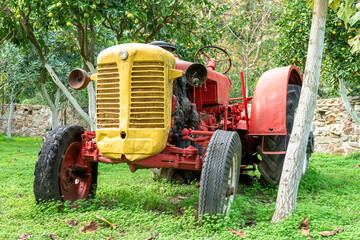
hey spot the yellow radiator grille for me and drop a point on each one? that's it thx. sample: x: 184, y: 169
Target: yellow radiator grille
x: 147, y: 105
x: 108, y: 96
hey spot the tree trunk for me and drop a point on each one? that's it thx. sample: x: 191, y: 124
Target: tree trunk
x: 69, y: 96
x: 295, y: 154
x: 3, y: 102
x: 10, y: 113
x: 91, y: 94
x: 347, y: 104
x: 53, y: 107
x: 57, y: 103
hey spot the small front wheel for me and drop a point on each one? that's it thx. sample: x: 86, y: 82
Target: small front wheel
x: 220, y: 173
x: 60, y: 172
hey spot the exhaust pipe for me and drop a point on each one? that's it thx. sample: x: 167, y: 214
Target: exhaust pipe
x: 196, y: 74
x: 79, y: 79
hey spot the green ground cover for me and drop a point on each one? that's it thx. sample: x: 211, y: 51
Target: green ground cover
x: 329, y: 196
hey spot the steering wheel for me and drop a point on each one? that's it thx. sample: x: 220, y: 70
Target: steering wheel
x: 209, y: 59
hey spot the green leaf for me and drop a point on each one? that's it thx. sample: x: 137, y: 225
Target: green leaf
x: 344, y: 13
x: 311, y: 3
x: 349, y: 2
x: 334, y: 4
x: 355, y: 44
x: 355, y: 18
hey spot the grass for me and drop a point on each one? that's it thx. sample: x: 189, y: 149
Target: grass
x: 329, y: 196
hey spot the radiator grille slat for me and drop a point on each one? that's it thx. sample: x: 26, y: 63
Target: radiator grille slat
x: 147, y: 95
x: 108, y: 96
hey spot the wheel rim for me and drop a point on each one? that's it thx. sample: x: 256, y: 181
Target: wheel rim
x: 75, y: 175
x: 231, y: 186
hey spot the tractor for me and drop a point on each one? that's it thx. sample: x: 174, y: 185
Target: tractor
x: 156, y: 111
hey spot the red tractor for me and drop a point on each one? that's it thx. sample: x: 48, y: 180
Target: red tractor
x: 158, y: 112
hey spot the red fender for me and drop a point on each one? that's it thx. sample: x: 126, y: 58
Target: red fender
x: 268, y: 110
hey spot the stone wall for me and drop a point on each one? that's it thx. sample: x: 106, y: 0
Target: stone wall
x: 334, y: 129
x: 35, y: 120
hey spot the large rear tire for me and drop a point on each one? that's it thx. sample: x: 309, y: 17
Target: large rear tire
x: 272, y: 164
x: 220, y: 173
x: 60, y: 174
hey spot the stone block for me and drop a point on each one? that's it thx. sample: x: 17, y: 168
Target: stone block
x: 323, y: 109
x: 335, y: 130
x: 339, y: 151
x: 344, y: 137
x: 330, y: 118
x: 321, y: 148
x: 354, y: 144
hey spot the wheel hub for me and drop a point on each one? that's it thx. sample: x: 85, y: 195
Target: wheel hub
x: 75, y: 175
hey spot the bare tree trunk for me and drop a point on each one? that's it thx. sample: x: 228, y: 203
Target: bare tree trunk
x: 347, y: 104
x: 53, y: 106
x: 57, y: 103
x: 69, y: 96
x: 91, y: 94
x: 3, y: 102
x: 10, y: 114
x: 295, y: 154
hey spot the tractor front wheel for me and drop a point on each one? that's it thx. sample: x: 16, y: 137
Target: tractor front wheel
x: 60, y: 173
x: 220, y: 173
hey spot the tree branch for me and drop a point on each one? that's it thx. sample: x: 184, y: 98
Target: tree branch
x: 346, y: 102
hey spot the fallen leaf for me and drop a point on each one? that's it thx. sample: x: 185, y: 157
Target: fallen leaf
x: 89, y: 227
x: 58, y: 219
x: 305, y: 223
x: 51, y: 235
x: 24, y: 236
x: 72, y: 223
x: 330, y: 233
x: 152, y: 238
x: 304, y: 227
x: 19, y: 195
x: 197, y: 185
x: 357, y: 165
x: 238, y: 233
x: 109, y: 238
x: 305, y: 231
x: 264, y: 200
x: 103, y: 219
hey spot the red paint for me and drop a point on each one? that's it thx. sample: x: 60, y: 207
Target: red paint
x: 171, y: 157
x: 268, y: 110
x: 72, y: 186
x: 212, y: 102
x: 222, y: 84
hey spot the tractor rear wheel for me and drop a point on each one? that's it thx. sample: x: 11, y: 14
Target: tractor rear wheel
x: 271, y: 165
x: 220, y: 173
x: 60, y: 174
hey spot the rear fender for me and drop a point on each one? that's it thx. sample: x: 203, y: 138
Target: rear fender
x: 268, y: 110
